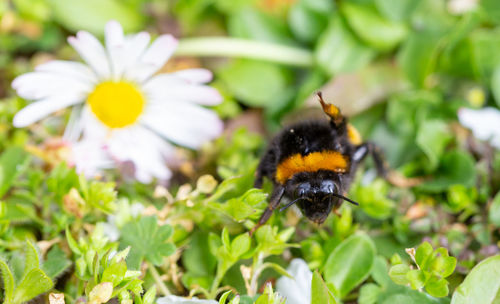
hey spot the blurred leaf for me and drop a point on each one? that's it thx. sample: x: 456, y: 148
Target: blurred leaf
x: 94, y: 14
x: 255, y: 83
x: 338, y: 50
x: 147, y: 240
x: 494, y: 212
x: 13, y: 162
x: 320, y: 292
x: 350, y: 263
x: 481, y: 285
x: 379, y: 33
x: 114, y: 273
x: 456, y: 167
x: 373, y: 199
x: 56, y: 263
x: 484, y: 43
x: 34, y: 282
x: 432, y: 138
x: 418, y: 55
x: 495, y: 84
x: 396, y: 10
x: 253, y: 24
x: 308, y: 19
x: 492, y: 10
x: 369, y: 293
x: 437, y: 287
x: 398, y: 274
x: 8, y: 282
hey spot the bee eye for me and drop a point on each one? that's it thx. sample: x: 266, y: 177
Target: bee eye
x: 302, y: 190
x: 328, y: 186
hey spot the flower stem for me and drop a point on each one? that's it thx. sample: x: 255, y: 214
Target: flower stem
x: 159, y: 282
x: 244, y: 48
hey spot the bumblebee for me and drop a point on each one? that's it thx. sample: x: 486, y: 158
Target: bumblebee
x: 312, y: 163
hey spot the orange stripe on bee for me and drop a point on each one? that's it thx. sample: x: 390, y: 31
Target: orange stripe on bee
x: 326, y: 160
x: 353, y: 135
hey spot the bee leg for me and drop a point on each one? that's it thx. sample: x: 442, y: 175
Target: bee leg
x: 332, y: 111
x: 370, y: 148
x: 274, y: 202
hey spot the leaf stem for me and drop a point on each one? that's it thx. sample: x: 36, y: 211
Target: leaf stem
x: 244, y: 48
x: 159, y: 282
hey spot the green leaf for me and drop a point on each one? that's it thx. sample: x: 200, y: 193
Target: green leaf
x: 484, y: 44
x: 197, y: 257
x: 379, y: 271
x: 399, y: 10
x: 319, y: 291
x: 240, y: 245
x: 350, y: 263
x: 147, y: 240
x: 149, y: 296
x: 398, y: 274
x: 369, y: 293
x: 94, y: 14
x: 339, y: 51
x: 12, y: 163
x: 376, y: 31
x: 423, y: 254
x: 73, y: 245
x: 224, y: 297
x: 494, y: 212
x: 416, y: 278
x: 8, y: 282
x: 56, y: 262
x: 456, y: 167
x: 492, y: 9
x: 437, y: 287
x: 432, y: 138
x: 417, y: 56
x: 31, y: 258
x: 495, y: 84
x: 244, y: 80
x: 33, y: 284
x: 481, y: 285
x: 307, y: 21
x: 114, y: 273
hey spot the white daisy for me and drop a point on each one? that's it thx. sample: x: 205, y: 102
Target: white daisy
x: 126, y: 110
x: 484, y: 123
x: 298, y: 289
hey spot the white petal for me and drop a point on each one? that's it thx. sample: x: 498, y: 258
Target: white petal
x: 168, y: 88
x: 195, y: 75
x: 145, y: 149
x: 180, y: 300
x: 484, y: 123
x: 92, y: 51
x: 40, y: 109
x: 115, y: 45
x: 93, y: 128
x: 154, y: 58
x: 90, y: 157
x: 72, y: 69
x: 183, y: 123
x: 298, y: 289
x: 37, y: 85
x: 135, y: 45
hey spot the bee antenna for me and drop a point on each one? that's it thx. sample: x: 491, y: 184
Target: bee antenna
x: 345, y: 198
x: 290, y: 203
x: 320, y: 95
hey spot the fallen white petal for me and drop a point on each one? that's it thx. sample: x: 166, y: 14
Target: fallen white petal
x: 185, y: 124
x: 40, y: 109
x: 484, y: 123
x: 92, y: 52
x: 298, y: 289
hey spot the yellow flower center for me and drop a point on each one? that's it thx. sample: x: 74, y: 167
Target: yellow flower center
x: 116, y: 104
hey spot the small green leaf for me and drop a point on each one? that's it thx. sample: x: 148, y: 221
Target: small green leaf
x: 494, y: 212
x: 12, y: 163
x: 319, y: 291
x: 416, y: 278
x: 240, y: 245
x: 398, y: 274
x: 224, y: 297
x: 495, y: 84
x: 369, y: 293
x: 8, y: 282
x: 31, y: 258
x: 147, y: 240
x: 56, y: 262
x: 379, y: 271
x: 399, y: 10
x: 73, y: 245
x: 114, y: 273
x: 432, y: 138
x: 149, y: 296
x: 33, y: 284
x: 437, y: 287
x: 481, y: 285
x: 350, y: 263
x: 423, y: 253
